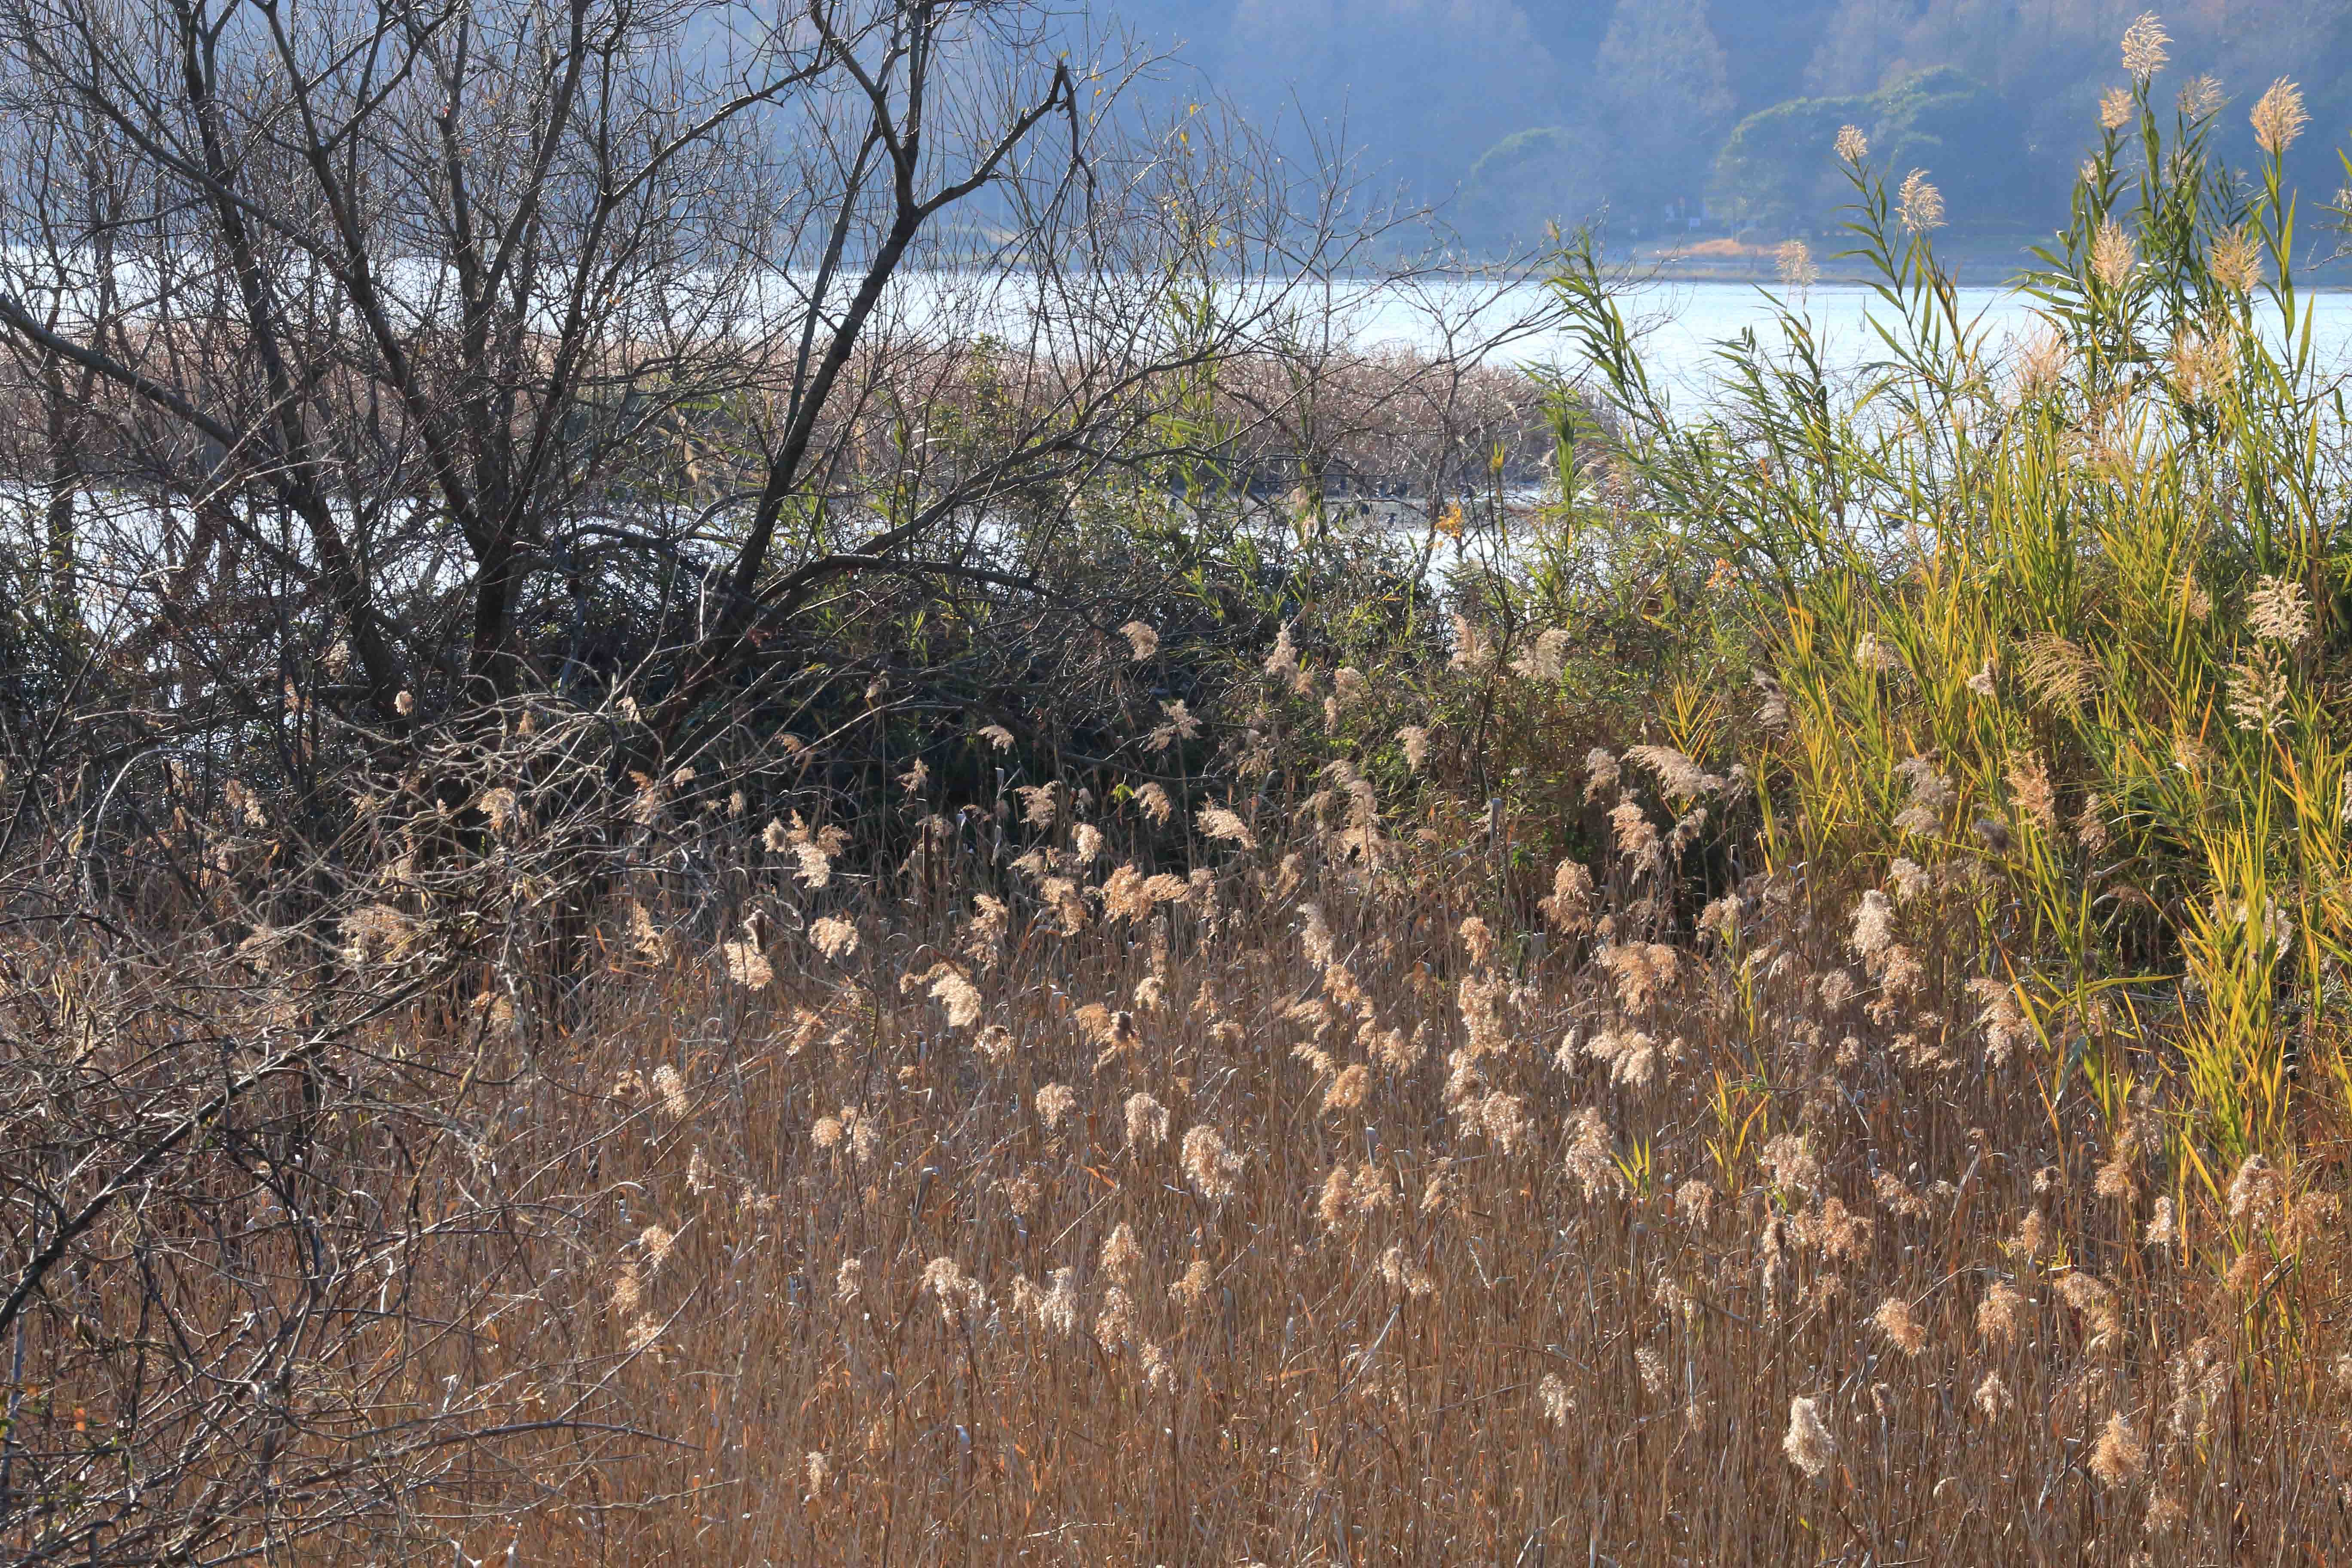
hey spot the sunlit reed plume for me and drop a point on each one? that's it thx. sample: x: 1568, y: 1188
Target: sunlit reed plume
x: 2001, y: 1315
x: 2143, y: 47
x: 2113, y: 254
x: 2277, y: 610
x: 2255, y: 1191
x: 2279, y: 117
x: 833, y: 937
x: 1794, y: 263
x: 1209, y: 1164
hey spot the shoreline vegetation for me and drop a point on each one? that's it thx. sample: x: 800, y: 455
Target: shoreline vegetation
x: 882, y: 942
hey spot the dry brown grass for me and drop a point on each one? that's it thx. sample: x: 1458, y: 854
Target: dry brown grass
x: 1345, y: 1199
x: 1530, y: 1251
x: 1724, y: 251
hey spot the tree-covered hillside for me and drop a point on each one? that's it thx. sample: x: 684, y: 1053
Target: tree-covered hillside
x: 1656, y: 110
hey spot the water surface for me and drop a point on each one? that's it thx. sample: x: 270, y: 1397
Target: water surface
x: 1681, y: 325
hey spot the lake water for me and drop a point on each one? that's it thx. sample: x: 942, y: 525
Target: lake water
x: 1683, y: 324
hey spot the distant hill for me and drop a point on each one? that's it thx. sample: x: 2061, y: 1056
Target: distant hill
x: 1526, y: 110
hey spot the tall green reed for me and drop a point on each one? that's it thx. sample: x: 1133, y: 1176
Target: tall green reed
x: 2056, y: 623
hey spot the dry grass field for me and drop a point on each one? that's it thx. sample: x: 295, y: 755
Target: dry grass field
x: 1319, y: 1211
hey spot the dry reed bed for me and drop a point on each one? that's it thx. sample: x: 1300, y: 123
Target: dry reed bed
x: 1297, y: 1215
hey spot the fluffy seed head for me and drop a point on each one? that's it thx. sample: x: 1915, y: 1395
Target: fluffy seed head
x: 1403, y: 1273
x: 956, y: 1292
x: 1471, y: 649
x: 1873, y: 924
x: 833, y: 937
x: 2060, y: 672
x: 1349, y: 1088
x: 1894, y: 1321
x: 656, y: 1241
x: 669, y: 1087
x: 1571, y: 904
x: 1808, y: 1443
x: 2235, y: 260
x: 1120, y: 1255
x: 1283, y: 661
x: 2258, y: 692
x: 1547, y: 660
x: 961, y: 997
x: 1182, y: 724
x: 2120, y: 1457
x: 2278, y: 611
x: 2255, y: 1191
x: 1601, y: 774
x: 747, y: 966
x: 2144, y: 41
x: 1209, y: 1164
x: 2030, y: 791
x: 1147, y: 1122
x: 1590, y: 1160
x: 2113, y: 254
x: 2094, y: 1297
x: 502, y: 806
x: 1055, y: 1102
x: 2000, y: 1314
x: 2279, y: 117
x: 1852, y: 145
x: 1191, y: 1291
x: 1332, y: 1206
x: 1218, y: 822
x: 1919, y: 205
x: 1791, y: 1159
x: 1558, y: 1406
x: 2041, y: 369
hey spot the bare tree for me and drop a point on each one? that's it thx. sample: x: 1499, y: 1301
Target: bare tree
x: 431, y: 278
x: 438, y: 307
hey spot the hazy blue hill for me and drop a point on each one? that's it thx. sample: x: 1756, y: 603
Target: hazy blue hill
x: 1522, y: 110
